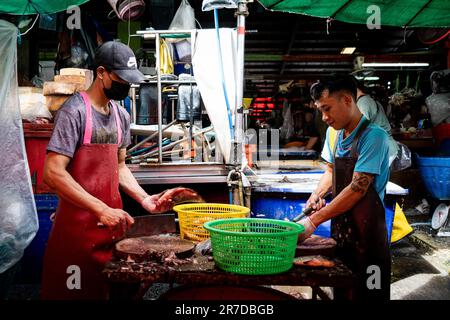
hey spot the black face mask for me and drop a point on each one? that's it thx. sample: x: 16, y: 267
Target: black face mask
x: 118, y: 90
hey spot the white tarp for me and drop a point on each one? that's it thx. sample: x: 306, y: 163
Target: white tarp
x: 208, y: 74
x: 18, y: 218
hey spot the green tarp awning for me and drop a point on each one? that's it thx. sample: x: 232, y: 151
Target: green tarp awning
x: 24, y: 7
x: 400, y: 13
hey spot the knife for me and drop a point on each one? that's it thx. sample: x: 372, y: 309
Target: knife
x: 152, y: 224
x: 309, y: 210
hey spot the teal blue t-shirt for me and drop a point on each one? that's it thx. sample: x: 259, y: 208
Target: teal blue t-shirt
x: 373, y: 151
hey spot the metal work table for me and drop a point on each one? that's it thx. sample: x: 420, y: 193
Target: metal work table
x: 302, y: 182
x: 179, y: 173
x: 132, y: 280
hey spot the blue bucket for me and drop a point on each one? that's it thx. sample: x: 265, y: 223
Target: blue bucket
x: 33, y: 257
x: 435, y: 172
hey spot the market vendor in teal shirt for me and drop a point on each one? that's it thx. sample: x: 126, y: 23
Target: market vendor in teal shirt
x: 372, y: 150
x: 357, y: 174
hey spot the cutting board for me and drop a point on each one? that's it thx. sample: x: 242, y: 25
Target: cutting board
x: 316, y: 245
x: 153, y: 248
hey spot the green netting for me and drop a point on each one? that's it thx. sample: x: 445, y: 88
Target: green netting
x: 253, y: 246
x: 24, y: 7
x: 400, y: 13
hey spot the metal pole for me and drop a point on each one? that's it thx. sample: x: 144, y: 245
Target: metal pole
x: 133, y: 105
x: 150, y: 137
x: 158, y: 77
x: 241, y: 13
x: 169, y: 146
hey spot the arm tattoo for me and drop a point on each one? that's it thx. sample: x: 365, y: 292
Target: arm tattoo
x: 361, y: 182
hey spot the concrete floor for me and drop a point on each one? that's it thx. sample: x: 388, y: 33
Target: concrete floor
x: 421, y: 268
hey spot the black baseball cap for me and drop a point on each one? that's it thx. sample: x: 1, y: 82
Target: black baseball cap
x: 119, y: 58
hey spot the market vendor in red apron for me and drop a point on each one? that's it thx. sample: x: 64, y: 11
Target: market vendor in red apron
x: 357, y: 174
x: 85, y: 166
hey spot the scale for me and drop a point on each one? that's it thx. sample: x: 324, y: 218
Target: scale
x: 440, y: 221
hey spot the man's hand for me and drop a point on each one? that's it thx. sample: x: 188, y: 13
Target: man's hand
x: 309, y: 229
x: 157, y: 204
x: 115, y: 218
x: 315, y: 202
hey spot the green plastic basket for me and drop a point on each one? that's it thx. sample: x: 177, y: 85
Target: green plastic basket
x: 253, y: 246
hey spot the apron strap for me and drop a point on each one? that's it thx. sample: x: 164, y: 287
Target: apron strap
x: 354, y: 152
x: 335, y: 144
x: 118, y: 122
x: 88, y: 127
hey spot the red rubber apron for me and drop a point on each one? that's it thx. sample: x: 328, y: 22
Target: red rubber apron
x: 76, y: 241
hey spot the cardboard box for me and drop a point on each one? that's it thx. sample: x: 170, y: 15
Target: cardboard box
x: 58, y: 88
x: 54, y: 102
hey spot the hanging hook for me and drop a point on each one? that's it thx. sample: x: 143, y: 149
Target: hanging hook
x: 329, y: 20
x: 404, y: 35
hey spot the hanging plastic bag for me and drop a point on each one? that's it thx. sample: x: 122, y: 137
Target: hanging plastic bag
x: 439, y: 106
x: 184, y: 18
x: 440, y: 81
x: 208, y: 5
x: 166, y: 61
x: 287, y: 129
x: 403, y: 159
x: 32, y: 104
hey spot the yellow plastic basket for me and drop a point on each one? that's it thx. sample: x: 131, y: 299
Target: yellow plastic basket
x: 192, y: 216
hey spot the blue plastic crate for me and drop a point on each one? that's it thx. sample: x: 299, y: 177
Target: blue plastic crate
x: 435, y: 172
x: 32, y: 260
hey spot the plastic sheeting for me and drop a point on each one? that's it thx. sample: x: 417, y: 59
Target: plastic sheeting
x: 207, y: 71
x: 23, y: 7
x: 18, y: 222
x: 439, y: 108
x: 287, y: 129
x: 403, y: 159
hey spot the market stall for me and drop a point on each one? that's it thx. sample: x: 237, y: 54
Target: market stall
x: 189, y: 126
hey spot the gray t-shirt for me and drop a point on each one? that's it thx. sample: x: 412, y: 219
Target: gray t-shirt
x: 70, y: 123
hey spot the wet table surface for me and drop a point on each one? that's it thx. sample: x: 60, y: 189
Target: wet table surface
x: 201, y: 270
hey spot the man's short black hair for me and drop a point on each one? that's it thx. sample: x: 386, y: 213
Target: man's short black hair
x: 333, y: 84
x: 93, y: 68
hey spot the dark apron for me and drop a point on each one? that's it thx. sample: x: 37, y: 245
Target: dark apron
x: 361, y: 233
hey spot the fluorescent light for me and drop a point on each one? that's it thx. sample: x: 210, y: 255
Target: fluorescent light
x: 348, y: 50
x: 368, y: 78
x: 399, y: 64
